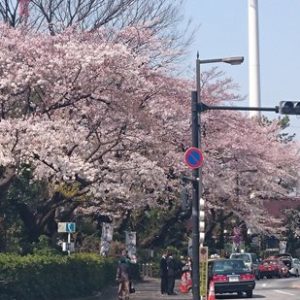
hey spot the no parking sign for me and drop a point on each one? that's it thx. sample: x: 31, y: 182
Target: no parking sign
x: 193, y: 157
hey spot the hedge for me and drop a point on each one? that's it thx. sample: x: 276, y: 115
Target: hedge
x: 52, y: 277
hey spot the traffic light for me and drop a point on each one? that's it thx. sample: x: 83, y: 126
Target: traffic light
x: 289, y: 107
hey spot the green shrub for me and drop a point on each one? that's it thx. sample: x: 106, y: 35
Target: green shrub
x: 53, y: 277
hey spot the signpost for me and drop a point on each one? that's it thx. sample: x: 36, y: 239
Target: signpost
x: 193, y: 157
x: 203, y: 271
x: 67, y: 227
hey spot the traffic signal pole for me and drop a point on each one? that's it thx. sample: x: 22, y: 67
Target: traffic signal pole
x: 285, y: 107
x: 197, y: 186
x: 197, y: 173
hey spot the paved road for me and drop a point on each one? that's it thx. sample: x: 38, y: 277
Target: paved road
x: 274, y: 289
x: 279, y: 289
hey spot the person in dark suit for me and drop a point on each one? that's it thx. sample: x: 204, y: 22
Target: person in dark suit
x: 163, y: 274
x: 171, y: 265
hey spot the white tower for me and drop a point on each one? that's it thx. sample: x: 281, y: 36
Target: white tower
x: 253, y: 46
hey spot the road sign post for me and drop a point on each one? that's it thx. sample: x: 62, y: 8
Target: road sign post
x: 69, y: 243
x: 67, y: 227
x: 193, y: 157
x: 195, y: 196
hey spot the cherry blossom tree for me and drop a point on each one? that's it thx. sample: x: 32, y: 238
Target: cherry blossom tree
x: 104, y: 123
x: 53, y: 16
x: 72, y: 111
x: 66, y: 85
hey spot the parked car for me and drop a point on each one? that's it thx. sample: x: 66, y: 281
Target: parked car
x: 231, y: 276
x: 286, y: 259
x: 295, y: 267
x: 250, y: 260
x: 272, y: 267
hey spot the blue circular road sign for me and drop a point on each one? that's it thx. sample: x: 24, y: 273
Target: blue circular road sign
x: 193, y: 157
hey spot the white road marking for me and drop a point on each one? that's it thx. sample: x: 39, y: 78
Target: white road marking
x: 285, y: 293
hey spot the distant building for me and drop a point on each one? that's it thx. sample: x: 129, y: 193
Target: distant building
x: 276, y: 207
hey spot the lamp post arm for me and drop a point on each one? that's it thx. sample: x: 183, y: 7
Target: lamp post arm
x: 210, y: 61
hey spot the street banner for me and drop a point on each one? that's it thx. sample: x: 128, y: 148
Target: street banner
x: 203, y: 271
x: 130, y: 240
x: 106, y: 238
x: 236, y: 239
x: 282, y: 247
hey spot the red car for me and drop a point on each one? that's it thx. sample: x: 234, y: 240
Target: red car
x: 272, y: 267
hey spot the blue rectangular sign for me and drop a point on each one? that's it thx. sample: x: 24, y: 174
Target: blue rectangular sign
x: 68, y: 227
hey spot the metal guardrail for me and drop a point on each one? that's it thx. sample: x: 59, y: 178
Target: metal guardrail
x: 146, y: 270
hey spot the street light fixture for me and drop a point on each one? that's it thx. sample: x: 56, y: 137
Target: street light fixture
x: 197, y: 173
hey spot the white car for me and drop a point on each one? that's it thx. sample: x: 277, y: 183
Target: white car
x: 295, y: 268
x: 250, y: 260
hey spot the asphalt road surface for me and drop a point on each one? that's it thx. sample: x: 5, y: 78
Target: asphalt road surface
x: 273, y: 289
x: 266, y: 289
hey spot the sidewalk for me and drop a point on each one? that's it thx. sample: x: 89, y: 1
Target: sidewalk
x: 148, y: 289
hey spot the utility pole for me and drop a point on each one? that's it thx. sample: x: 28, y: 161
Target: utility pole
x: 197, y: 172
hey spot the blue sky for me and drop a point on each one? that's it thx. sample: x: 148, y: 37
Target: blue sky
x: 223, y: 31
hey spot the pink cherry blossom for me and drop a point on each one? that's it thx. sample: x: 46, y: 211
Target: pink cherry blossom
x: 108, y: 114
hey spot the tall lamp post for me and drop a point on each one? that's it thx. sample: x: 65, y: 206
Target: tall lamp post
x: 197, y: 173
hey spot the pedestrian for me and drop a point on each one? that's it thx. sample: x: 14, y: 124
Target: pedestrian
x: 130, y: 260
x: 122, y: 278
x: 171, y: 265
x: 182, y: 262
x: 189, y: 263
x: 163, y: 274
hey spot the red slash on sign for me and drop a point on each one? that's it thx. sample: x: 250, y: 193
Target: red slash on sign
x: 193, y: 157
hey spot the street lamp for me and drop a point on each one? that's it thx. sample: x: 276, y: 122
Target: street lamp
x: 285, y: 107
x: 197, y: 173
